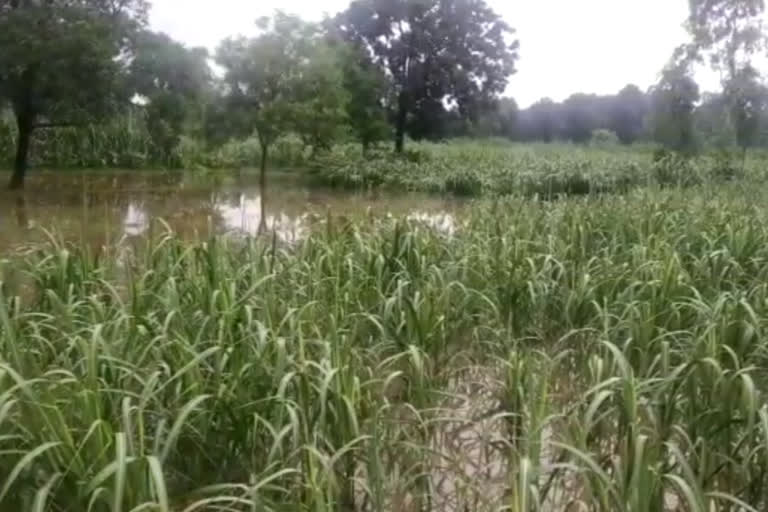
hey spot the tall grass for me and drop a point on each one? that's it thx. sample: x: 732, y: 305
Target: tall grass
x: 592, y: 354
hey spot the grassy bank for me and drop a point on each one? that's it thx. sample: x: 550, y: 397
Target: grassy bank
x: 603, y: 355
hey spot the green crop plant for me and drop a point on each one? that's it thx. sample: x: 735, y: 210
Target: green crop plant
x: 595, y: 353
x: 478, y: 168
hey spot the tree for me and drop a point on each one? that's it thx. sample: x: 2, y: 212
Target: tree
x: 748, y: 99
x: 541, y: 121
x: 172, y: 79
x: 320, y: 99
x: 729, y: 32
x: 500, y: 120
x: 580, y: 117
x: 261, y: 75
x: 367, y: 96
x: 627, y: 114
x: 713, y: 123
x: 282, y: 80
x: 59, y: 62
x: 454, y: 51
x: 674, y: 101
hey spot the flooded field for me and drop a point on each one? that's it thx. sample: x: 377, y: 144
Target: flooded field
x: 587, y: 354
x: 104, y: 207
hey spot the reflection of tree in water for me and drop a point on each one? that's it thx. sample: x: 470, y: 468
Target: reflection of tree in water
x: 20, y: 211
x: 104, y: 208
x: 442, y: 222
x: 136, y: 220
x: 249, y: 216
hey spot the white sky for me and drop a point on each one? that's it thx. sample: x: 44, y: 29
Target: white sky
x: 567, y: 46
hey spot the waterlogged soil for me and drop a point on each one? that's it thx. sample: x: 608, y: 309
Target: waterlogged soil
x: 108, y: 207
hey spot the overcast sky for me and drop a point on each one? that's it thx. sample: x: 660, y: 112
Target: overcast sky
x: 566, y: 46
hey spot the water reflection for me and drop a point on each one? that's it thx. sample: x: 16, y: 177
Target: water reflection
x: 136, y: 220
x: 102, y: 208
x: 20, y: 212
x: 248, y: 217
x: 442, y: 222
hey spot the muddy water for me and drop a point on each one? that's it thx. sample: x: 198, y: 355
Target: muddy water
x: 106, y: 207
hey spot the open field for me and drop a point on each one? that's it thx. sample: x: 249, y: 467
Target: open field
x: 602, y: 354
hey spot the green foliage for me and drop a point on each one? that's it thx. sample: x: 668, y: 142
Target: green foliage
x: 748, y: 99
x: 477, y: 168
x: 578, y: 116
x: 603, y: 355
x: 171, y: 80
x: 321, y: 100
x: 368, y: 92
x: 729, y: 32
x: 285, y: 80
x: 674, y: 99
x: 71, y: 74
x: 628, y: 113
x: 434, y: 50
x: 500, y: 121
x: 7, y: 138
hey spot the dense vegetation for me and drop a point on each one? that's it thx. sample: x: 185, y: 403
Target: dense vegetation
x: 102, y: 90
x: 605, y: 353
x: 588, y: 334
x: 471, y: 168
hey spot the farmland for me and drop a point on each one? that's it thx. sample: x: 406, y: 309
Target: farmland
x: 603, y: 353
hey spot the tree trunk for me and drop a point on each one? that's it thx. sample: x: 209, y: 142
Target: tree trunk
x: 263, y: 186
x: 402, y: 117
x: 25, y: 127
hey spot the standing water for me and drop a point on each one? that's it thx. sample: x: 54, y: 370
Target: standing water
x: 106, y: 207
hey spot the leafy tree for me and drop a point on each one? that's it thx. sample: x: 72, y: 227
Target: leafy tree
x: 282, y: 80
x: 748, y: 99
x: 500, y: 120
x: 261, y: 75
x: 541, y: 121
x: 172, y: 79
x: 367, y: 96
x: 455, y: 51
x: 430, y: 119
x: 577, y: 118
x: 674, y: 101
x: 580, y: 117
x: 319, y: 98
x: 729, y: 32
x: 712, y: 121
x: 627, y: 114
x: 59, y: 62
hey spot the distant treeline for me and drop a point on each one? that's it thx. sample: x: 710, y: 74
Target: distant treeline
x: 101, y: 88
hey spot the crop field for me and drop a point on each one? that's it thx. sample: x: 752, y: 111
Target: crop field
x: 475, y: 168
x: 598, y: 354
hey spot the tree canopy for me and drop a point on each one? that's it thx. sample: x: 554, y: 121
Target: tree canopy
x: 441, y: 51
x: 380, y: 69
x: 172, y: 80
x: 60, y: 62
